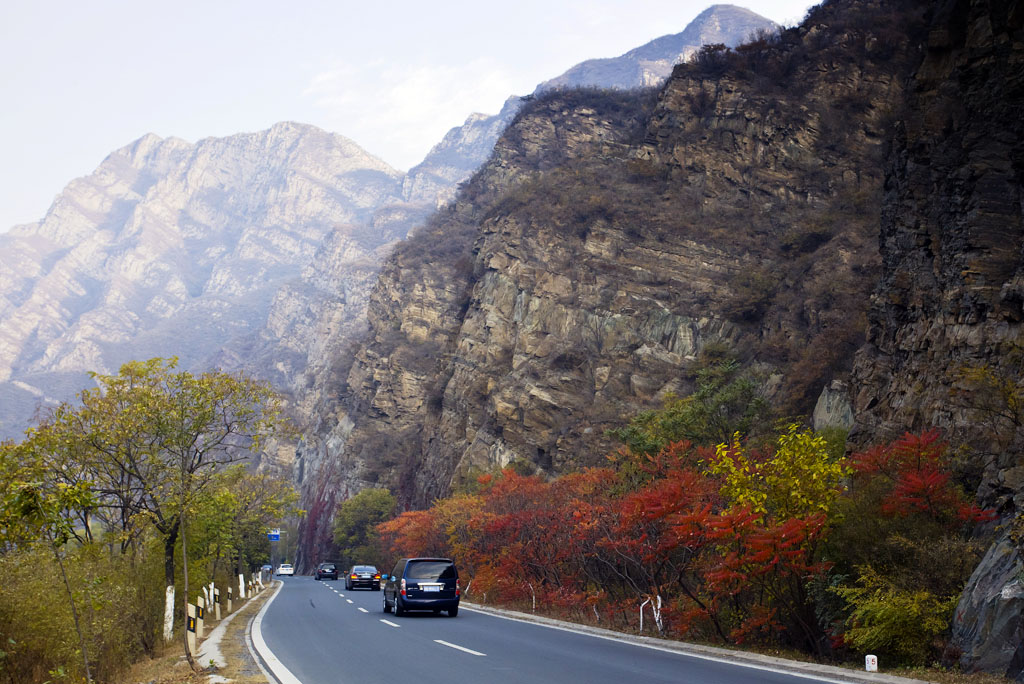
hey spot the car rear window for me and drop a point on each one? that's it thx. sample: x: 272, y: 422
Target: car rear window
x: 327, y: 567
x: 431, y: 570
x: 364, y: 568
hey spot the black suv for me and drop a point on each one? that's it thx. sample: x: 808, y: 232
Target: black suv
x: 423, y: 584
x: 327, y: 571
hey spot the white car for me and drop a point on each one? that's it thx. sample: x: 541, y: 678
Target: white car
x: 285, y: 569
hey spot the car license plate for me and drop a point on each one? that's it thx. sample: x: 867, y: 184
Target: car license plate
x: 431, y: 587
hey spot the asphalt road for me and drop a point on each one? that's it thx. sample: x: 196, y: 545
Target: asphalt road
x: 324, y: 634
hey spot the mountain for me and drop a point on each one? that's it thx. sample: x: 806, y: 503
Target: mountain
x: 652, y: 63
x: 466, y: 147
x: 257, y: 250
x: 612, y: 241
x: 171, y: 248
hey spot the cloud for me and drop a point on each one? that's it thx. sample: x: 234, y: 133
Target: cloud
x: 400, y: 112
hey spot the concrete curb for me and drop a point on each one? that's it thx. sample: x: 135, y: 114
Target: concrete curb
x: 754, y: 660
x: 209, y: 649
x: 264, y: 657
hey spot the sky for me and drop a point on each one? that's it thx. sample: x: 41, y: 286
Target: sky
x: 81, y: 79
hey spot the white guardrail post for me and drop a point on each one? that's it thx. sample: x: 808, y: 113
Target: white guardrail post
x: 190, y: 628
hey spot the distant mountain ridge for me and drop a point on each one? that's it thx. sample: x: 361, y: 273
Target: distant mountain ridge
x: 464, y: 148
x: 171, y: 248
x: 255, y: 251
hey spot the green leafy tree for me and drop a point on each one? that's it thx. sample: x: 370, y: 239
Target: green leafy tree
x: 355, y: 525
x: 33, y: 507
x: 727, y: 401
x: 151, y: 440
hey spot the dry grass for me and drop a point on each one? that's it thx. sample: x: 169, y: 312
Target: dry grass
x: 170, y: 667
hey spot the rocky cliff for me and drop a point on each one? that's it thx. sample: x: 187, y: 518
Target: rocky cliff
x: 609, y: 241
x: 946, y: 335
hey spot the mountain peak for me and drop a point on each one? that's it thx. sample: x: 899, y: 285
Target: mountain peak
x: 651, y: 63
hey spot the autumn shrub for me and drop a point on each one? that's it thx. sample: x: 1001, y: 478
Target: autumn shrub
x: 902, y: 543
x: 904, y: 623
x: 116, y: 608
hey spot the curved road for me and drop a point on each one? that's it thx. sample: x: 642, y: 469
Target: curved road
x: 324, y: 634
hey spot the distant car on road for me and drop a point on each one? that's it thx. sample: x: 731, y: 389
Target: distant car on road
x: 285, y: 569
x: 327, y: 571
x: 363, y: 576
x: 423, y: 584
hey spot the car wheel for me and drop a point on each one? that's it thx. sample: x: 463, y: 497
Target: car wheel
x: 452, y: 612
x: 398, y: 606
x: 387, y: 608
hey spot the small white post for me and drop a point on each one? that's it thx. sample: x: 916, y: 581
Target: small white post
x: 200, y: 615
x: 190, y: 629
x: 241, y: 586
x: 169, y: 613
x: 230, y: 608
x: 871, y: 663
x: 216, y: 603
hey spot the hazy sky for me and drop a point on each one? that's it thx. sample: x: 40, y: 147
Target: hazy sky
x: 81, y: 79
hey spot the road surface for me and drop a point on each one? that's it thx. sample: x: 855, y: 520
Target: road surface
x: 322, y: 634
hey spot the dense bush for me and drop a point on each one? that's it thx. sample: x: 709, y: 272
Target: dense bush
x: 734, y: 544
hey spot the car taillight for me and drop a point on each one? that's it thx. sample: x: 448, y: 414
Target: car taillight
x: 377, y: 576
x: 354, y: 576
x: 456, y: 587
x: 403, y: 586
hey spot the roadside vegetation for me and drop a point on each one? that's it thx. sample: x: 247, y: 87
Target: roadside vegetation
x: 770, y: 537
x: 139, y: 486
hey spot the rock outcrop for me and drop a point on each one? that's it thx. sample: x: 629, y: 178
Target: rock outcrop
x: 946, y: 335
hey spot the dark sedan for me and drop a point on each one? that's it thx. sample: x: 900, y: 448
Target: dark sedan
x: 327, y: 571
x: 363, y: 576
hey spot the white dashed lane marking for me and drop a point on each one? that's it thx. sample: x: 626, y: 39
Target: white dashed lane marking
x: 459, y: 648
x: 388, y: 622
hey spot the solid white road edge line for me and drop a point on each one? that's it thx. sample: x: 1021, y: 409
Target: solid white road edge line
x: 752, y: 666
x: 388, y: 622
x: 276, y: 667
x: 460, y: 648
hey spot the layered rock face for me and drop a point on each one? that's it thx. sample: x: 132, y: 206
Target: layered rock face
x: 608, y: 242
x: 171, y: 248
x: 326, y: 479
x: 946, y: 330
